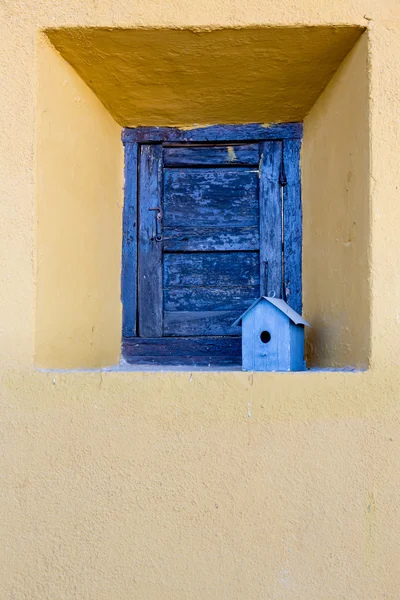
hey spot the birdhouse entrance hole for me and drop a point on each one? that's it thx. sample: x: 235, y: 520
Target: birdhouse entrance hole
x: 265, y: 337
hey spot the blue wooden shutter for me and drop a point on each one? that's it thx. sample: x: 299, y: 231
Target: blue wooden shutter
x: 216, y: 246
x: 150, y: 285
x: 211, y: 266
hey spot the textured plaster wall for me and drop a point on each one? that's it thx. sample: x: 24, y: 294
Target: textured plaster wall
x: 79, y: 199
x: 181, y: 77
x: 336, y: 216
x: 222, y: 485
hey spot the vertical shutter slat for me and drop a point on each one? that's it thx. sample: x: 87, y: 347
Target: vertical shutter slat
x: 129, y: 242
x: 270, y: 219
x: 292, y: 224
x: 150, y: 297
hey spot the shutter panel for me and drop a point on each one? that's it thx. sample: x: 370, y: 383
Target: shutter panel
x: 220, y: 247
x: 211, y: 248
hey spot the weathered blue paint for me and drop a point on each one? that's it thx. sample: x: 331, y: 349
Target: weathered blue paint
x: 215, y: 133
x: 270, y: 219
x: 129, y: 243
x: 212, y: 281
x: 292, y: 225
x: 272, y: 337
x: 221, y: 237
x: 150, y: 310
x: 209, y: 298
x: 196, y: 238
x: 210, y: 197
x: 211, y: 269
x: 197, y: 322
x: 234, y: 155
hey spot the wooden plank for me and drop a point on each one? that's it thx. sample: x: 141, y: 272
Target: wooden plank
x: 292, y: 225
x: 270, y: 220
x: 187, y: 239
x: 204, y: 351
x: 206, y: 298
x: 211, y: 197
x: 215, y: 133
x: 129, y: 242
x: 150, y: 251
x: 239, y: 155
x: 189, y: 323
x: 211, y: 269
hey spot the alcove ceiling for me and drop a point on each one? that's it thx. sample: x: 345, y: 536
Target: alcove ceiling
x: 184, y: 77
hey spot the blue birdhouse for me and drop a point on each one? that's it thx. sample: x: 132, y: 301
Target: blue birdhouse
x: 272, y: 336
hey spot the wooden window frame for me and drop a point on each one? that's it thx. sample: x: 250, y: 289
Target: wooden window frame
x: 290, y: 135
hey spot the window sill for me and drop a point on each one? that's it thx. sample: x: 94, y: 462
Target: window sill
x: 124, y: 367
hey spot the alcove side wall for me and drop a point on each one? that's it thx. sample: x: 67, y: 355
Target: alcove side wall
x: 336, y: 238
x: 79, y: 205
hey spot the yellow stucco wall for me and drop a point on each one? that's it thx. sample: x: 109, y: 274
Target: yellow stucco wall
x: 79, y: 196
x: 210, y: 485
x: 336, y: 216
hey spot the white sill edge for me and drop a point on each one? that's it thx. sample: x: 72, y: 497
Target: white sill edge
x: 124, y: 367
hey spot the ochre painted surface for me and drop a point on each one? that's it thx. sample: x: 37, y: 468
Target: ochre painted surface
x: 166, y: 485
x: 181, y: 77
x: 336, y: 216
x: 79, y: 202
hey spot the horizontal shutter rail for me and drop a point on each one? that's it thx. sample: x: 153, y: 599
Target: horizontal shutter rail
x: 213, y: 322
x: 215, y: 133
x: 210, y: 298
x: 216, y: 156
x: 219, y: 238
x: 208, y: 351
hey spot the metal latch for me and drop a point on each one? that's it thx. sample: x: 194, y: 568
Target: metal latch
x: 159, y: 217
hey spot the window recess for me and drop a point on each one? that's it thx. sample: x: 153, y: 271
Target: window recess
x: 212, y: 220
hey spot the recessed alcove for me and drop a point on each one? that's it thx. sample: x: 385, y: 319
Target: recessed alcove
x: 183, y: 77
x: 93, y: 81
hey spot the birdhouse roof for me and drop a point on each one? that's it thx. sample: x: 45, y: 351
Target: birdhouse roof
x: 280, y: 305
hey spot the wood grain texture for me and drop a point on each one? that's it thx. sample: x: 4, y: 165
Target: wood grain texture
x: 201, y: 351
x: 213, y: 322
x: 215, y: 133
x: 210, y: 197
x: 211, y: 269
x: 270, y: 220
x: 129, y: 242
x: 222, y: 225
x: 239, y: 155
x: 150, y: 251
x: 187, y: 239
x: 292, y: 225
x: 210, y: 298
